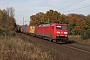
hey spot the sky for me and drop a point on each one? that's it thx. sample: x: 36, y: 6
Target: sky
x: 27, y: 8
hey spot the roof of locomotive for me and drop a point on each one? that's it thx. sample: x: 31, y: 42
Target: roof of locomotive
x: 59, y: 24
x: 52, y: 24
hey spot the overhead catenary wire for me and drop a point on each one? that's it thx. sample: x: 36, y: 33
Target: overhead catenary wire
x: 76, y: 3
x: 73, y: 4
x: 77, y: 8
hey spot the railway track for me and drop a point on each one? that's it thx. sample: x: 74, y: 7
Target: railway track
x: 72, y: 51
x: 76, y: 48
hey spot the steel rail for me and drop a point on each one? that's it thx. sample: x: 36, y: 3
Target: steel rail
x: 78, y: 49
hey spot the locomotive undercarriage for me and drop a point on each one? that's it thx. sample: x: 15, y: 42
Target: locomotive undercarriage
x: 60, y: 39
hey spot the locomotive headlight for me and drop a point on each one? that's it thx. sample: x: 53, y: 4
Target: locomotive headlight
x: 58, y: 32
x: 65, y: 33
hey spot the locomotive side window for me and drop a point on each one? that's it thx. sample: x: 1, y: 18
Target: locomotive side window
x: 61, y: 27
x: 58, y: 27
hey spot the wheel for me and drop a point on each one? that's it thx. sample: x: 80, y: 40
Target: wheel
x: 50, y: 39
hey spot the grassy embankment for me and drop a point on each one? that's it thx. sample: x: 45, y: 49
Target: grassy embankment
x: 77, y: 38
x: 21, y: 48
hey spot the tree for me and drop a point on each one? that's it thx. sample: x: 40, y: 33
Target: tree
x: 63, y: 19
x: 1, y: 14
x: 10, y: 11
x: 87, y: 19
x: 52, y: 16
x: 37, y: 19
x: 7, y: 19
x: 86, y: 33
x: 76, y: 23
x: 11, y: 23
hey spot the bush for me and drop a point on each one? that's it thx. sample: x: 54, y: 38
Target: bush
x: 1, y: 31
x: 7, y: 32
x: 12, y: 33
x: 85, y: 34
x: 11, y: 44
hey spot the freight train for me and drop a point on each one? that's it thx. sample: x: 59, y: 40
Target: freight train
x: 53, y: 32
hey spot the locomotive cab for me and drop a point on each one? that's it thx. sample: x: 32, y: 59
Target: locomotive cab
x: 61, y: 33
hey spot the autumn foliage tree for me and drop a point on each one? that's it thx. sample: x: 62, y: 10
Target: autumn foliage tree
x: 76, y: 24
x: 52, y: 16
x: 7, y: 20
x: 37, y: 19
x: 49, y: 17
x: 86, y: 32
x: 1, y: 15
x: 87, y: 19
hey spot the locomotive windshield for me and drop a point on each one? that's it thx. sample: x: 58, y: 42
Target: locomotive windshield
x: 61, y: 27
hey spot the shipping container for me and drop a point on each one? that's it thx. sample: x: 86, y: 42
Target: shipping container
x: 36, y: 30
x: 25, y: 29
x: 32, y: 29
x: 28, y: 29
x: 22, y: 28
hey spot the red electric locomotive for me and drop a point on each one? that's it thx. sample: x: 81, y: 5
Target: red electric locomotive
x: 54, y: 32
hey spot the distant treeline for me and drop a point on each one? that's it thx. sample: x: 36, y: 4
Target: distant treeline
x: 78, y: 24
x: 7, y: 20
